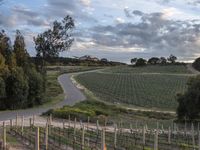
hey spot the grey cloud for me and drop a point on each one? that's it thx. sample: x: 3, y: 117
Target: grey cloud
x: 137, y: 12
x: 154, y: 34
x: 61, y: 8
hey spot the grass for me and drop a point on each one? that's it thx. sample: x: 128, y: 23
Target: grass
x: 97, y: 110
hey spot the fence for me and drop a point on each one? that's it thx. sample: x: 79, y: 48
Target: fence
x: 73, y: 135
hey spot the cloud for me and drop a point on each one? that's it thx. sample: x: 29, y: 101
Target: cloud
x: 153, y: 35
x: 86, y: 2
x: 119, y: 20
x: 75, y: 8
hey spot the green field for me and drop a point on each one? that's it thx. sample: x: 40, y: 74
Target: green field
x: 151, y: 86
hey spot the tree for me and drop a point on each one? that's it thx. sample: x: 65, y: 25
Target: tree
x: 172, y: 59
x: 189, y: 102
x: 6, y: 48
x: 133, y: 61
x: 16, y: 89
x: 2, y: 88
x: 20, y: 50
x: 196, y: 64
x: 141, y: 62
x: 154, y: 61
x: 163, y: 60
x: 36, y: 88
x: 53, y: 41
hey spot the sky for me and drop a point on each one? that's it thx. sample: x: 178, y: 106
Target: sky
x: 115, y: 29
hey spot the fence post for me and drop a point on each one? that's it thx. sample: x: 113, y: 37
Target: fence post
x: 63, y: 123
x: 74, y: 129
x: 16, y: 123
x: 33, y: 120
x: 4, y: 136
x: 97, y: 125
x: 11, y: 123
x: 22, y: 125
x: 103, y: 143
x: 88, y: 121
x: 115, y: 140
x: 46, y: 136
x: 198, y: 140
x: 185, y: 127
x: 69, y: 121
x: 30, y: 121
x: 50, y: 119
x: 83, y: 138
x: 156, y: 140
x: 193, y: 138
x: 143, y: 137
x: 169, y: 135
x: 37, y: 139
x: 136, y: 125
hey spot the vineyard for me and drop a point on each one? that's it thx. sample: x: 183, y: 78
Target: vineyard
x: 151, y: 86
x: 169, y: 69
x: 77, y: 135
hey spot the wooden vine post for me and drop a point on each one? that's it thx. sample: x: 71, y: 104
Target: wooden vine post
x: 143, y: 135
x: 115, y: 138
x: 37, y: 139
x: 169, y: 135
x: 4, y: 136
x: 83, y: 138
x: 103, y: 141
x: 46, y: 136
x: 156, y: 140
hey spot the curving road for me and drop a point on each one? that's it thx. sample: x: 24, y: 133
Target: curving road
x: 72, y: 96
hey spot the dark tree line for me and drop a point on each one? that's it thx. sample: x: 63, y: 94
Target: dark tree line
x: 154, y: 61
x: 20, y: 83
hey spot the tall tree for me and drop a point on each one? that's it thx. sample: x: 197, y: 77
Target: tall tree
x: 16, y: 89
x: 172, y: 59
x: 6, y: 47
x: 154, y: 61
x: 53, y: 41
x: 141, y: 62
x: 133, y: 60
x: 20, y: 50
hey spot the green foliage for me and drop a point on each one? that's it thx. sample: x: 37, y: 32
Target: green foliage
x: 137, y: 88
x: 172, y: 59
x: 21, y: 85
x: 6, y: 48
x: 196, y: 64
x: 16, y: 89
x: 36, y: 88
x: 2, y: 88
x: 133, y: 61
x: 154, y: 61
x: 140, y: 62
x: 53, y: 41
x: 19, y: 50
x: 101, y: 111
x: 189, y: 102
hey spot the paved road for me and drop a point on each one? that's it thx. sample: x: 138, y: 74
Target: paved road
x: 72, y: 96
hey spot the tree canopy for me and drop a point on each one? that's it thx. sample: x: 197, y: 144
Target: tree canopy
x: 53, y: 41
x: 189, y: 102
